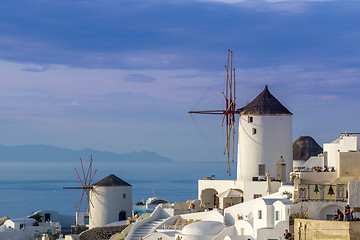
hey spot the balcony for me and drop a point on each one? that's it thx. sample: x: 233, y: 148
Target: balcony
x: 312, y: 192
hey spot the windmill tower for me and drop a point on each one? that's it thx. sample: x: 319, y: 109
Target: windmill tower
x: 110, y: 201
x: 264, y: 145
x: 265, y: 139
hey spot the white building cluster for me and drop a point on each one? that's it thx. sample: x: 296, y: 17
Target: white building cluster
x: 270, y: 190
x: 267, y: 193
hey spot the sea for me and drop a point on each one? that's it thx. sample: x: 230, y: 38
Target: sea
x: 27, y: 187
x: 20, y: 198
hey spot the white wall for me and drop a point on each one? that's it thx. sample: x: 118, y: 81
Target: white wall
x: 354, y: 196
x: 107, y: 204
x: 273, y: 233
x: 317, y: 209
x: 346, y: 143
x: 28, y: 231
x: 249, y: 213
x: 313, y: 162
x: 259, y: 187
x: 65, y: 220
x: 219, y: 185
x: 272, y: 140
x: 244, y: 227
x: 249, y: 188
x: 13, y: 235
x: 284, y: 212
x: 213, y: 215
x: 298, y: 163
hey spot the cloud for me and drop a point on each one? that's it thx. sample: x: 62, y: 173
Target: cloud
x: 191, y: 34
x: 139, y: 78
x: 37, y: 68
x: 134, y: 68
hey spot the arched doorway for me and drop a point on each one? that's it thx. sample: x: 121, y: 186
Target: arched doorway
x: 122, y: 215
x: 209, y: 198
x: 328, y: 212
x: 231, y: 197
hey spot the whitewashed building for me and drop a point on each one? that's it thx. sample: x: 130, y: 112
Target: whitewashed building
x: 259, y: 203
x: 347, y: 142
x: 25, y: 229
x: 110, y: 201
x: 265, y: 145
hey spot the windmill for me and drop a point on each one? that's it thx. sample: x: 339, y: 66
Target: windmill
x: 229, y: 111
x: 85, y: 181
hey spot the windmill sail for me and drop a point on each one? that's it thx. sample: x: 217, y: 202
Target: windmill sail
x: 229, y: 111
x: 85, y: 180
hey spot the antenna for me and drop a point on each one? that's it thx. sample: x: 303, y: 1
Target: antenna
x: 229, y: 111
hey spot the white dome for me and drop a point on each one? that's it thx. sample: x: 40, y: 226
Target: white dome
x: 203, y: 228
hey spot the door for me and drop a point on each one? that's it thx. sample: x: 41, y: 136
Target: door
x: 281, y: 171
x: 122, y: 215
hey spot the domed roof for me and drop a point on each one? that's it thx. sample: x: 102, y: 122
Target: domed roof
x: 264, y: 104
x: 203, y: 228
x: 304, y: 147
x: 111, y: 181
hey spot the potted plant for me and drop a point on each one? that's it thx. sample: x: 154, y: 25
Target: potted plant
x: 286, y: 194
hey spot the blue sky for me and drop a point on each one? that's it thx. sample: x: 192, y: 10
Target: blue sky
x: 121, y: 75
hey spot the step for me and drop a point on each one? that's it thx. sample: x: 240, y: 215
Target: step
x: 145, y: 229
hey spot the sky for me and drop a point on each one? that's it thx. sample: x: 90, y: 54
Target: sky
x: 120, y: 75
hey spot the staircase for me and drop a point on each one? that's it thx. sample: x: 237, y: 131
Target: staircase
x: 145, y: 229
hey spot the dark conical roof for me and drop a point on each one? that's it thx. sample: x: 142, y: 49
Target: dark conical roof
x: 110, y: 181
x: 304, y: 147
x: 264, y: 104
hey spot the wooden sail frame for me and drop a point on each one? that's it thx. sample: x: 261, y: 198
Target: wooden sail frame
x: 86, y: 186
x: 229, y: 111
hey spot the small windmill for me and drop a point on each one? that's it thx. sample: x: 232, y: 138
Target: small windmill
x: 229, y: 111
x: 86, y: 186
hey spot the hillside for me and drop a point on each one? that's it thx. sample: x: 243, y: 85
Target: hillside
x: 45, y: 153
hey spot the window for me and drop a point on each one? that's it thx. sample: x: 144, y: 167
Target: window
x: 124, y: 195
x: 254, y: 131
x: 250, y: 119
x: 86, y: 220
x: 259, y: 214
x: 277, y: 215
x: 47, y: 217
x: 257, y: 196
x: 261, y: 169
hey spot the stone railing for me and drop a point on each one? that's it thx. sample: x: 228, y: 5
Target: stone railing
x: 316, y: 192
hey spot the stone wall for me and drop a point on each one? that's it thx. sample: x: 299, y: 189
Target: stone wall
x: 101, y: 233
x: 321, y: 230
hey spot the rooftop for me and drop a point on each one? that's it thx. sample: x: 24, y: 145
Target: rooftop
x: 265, y: 104
x: 111, y: 181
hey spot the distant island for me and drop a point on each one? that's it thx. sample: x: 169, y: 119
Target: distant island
x: 45, y: 153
